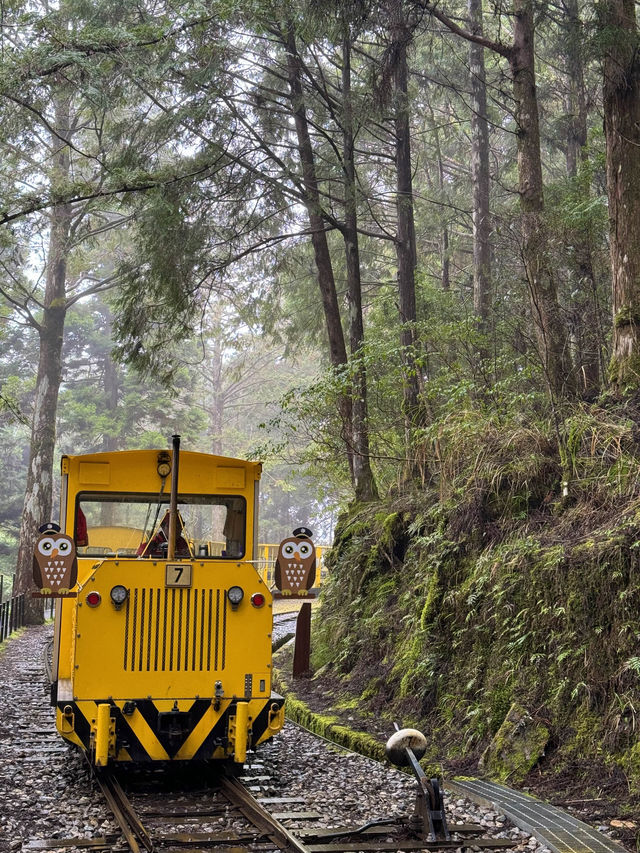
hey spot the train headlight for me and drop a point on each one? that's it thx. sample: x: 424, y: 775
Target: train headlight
x: 164, y: 464
x: 235, y: 594
x: 258, y: 599
x: 93, y: 598
x: 119, y: 595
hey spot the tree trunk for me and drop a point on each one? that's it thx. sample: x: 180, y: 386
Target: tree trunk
x: 109, y: 442
x: 111, y: 392
x: 480, y: 176
x: 37, y: 507
x: 445, y: 263
x: 326, y: 280
x: 586, y: 324
x: 405, y: 235
x: 364, y: 482
x: 550, y: 329
x: 622, y: 135
x: 217, y: 402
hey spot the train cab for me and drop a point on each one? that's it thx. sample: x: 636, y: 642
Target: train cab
x: 164, y: 651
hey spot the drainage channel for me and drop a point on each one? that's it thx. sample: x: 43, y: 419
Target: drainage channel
x: 556, y: 829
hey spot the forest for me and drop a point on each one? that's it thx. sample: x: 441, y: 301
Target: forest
x: 392, y: 249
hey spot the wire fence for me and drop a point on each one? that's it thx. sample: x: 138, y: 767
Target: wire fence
x: 12, y: 613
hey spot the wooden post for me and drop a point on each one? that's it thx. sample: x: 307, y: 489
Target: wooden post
x: 302, y: 651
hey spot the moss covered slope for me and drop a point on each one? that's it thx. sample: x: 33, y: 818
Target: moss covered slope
x: 492, y: 611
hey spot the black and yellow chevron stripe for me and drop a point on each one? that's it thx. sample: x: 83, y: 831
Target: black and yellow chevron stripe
x: 144, y: 733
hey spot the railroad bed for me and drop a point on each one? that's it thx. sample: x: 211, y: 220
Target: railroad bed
x: 47, y: 793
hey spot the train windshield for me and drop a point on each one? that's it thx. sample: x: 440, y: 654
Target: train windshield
x: 137, y: 525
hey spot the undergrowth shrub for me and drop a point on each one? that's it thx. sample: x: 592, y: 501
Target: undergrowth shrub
x: 490, y: 588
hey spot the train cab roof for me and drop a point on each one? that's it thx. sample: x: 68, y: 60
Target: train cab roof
x: 145, y: 470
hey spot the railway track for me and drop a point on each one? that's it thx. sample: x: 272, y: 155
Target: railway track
x: 186, y: 812
x: 166, y: 822
x: 186, y: 809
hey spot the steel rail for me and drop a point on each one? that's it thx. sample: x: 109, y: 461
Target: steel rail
x: 138, y: 839
x: 124, y: 813
x: 238, y: 796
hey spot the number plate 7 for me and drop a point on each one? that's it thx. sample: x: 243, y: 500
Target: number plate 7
x: 178, y: 574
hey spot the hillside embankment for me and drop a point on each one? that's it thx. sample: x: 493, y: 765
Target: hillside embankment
x: 497, y: 608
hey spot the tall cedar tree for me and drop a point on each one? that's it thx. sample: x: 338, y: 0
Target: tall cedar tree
x: 38, y: 495
x: 549, y: 325
x: 586, y: 322
x: 365, y: 485
x: 322, y: 256
x: 480, y: 175
x: 400, y: 33
x: 622, y: 134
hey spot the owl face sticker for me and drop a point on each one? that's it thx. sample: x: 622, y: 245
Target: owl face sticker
x: 293, y: 550
x: 55, y: 566
x: 295, y: 570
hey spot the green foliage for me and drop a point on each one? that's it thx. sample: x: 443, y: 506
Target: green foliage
x: 600, y: 451
x: 157, y: 301
x: 447, y: 606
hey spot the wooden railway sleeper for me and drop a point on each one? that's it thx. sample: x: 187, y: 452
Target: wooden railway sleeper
x: 260, y: 817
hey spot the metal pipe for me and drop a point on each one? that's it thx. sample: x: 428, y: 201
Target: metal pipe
x: 173, y: 505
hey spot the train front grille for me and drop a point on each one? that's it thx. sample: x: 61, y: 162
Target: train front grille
x: 172, y: 630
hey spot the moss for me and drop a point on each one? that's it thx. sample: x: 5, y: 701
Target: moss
x: 348, y: 704
x: 583, y: 737
x: 328, y: 726
x: 17, y: 633
x: 624, y: 373
x: 628, y: 315
x: 517, y: 746
x: 372, y: 689
x: 500, y: 699
x: 387, y: 524
x: 432, y: 601
x: 629, y: 761
x: 409, y: 662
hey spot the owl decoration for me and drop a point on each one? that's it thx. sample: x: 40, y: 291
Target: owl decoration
x: 295, y: 570
x: 55, y: 565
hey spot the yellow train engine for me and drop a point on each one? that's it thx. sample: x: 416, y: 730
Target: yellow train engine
x: 162, y: 649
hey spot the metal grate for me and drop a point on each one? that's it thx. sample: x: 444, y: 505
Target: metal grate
x: 556, y: 829
x: 173, y: 630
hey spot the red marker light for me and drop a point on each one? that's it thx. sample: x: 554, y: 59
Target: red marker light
x: 93, y: 599
x: 258, y: 599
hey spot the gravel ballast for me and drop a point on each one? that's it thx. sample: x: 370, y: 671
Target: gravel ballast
x: 47, y: 792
